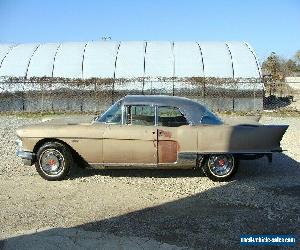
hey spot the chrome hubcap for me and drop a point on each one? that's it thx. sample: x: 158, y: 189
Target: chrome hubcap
x: 221, y: 165
x: 52, y: 162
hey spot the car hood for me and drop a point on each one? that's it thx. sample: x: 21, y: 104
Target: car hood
x: 53, y: 125
x: 72, y: 120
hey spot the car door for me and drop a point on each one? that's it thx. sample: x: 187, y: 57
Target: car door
x: 174, y: 135
x: 135, y: 141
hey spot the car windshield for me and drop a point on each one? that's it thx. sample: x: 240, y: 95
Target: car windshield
x: 113, y: 114
x: 210, y: 118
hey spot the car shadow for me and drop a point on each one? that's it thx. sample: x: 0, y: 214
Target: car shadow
x: 262, y: 200
x: 281, y: 165
x: 274, y: 102
x: 141, y: 173
x: 247, y: 169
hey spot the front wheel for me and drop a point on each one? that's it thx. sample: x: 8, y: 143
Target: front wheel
x: 220, y: 167
x: 54, y: 161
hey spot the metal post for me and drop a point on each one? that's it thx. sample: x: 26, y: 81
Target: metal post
x: 254, y: 97
x: 42, y: 95
x: 173, y: 86
x: 96, y: 99
x: 113, y: 91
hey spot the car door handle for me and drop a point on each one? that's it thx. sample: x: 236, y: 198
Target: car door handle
x: 164, y: 133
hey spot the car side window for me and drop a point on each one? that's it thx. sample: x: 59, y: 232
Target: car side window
x: 171, y: 117
x: 113, y: 115
x: 140, y: 115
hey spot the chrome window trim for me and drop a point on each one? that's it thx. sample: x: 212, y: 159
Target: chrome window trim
x: 156, y: 116
x: 123, y: 114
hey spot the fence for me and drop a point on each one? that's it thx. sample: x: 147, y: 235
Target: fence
x: 278, y: 94
x: 92, y: 95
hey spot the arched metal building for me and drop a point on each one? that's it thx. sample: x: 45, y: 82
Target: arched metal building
x: 108, y: 59
x: 158, y: 64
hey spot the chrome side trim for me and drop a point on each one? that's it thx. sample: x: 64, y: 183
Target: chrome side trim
x: 102, y: 165
x: 242, y: 152
x: 185, y: 160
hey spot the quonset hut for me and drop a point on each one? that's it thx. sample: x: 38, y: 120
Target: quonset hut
x: 86, y: 76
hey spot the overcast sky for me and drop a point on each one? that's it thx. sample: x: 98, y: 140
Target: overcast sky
x: 267, y: 25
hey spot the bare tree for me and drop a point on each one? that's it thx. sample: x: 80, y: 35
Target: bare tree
x: 297, y: 57
x: 272, y: 66
x: 279, y: 68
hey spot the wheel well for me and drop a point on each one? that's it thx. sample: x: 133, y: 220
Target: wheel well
x: 43, y: 141
x: 74, y: 153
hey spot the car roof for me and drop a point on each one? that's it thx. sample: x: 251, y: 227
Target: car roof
x: 192, y: 110
x: 157, y: 99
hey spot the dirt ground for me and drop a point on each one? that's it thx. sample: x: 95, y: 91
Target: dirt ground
x: 165, y: 209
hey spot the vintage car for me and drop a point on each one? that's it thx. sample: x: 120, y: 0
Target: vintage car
x: 142, y: 131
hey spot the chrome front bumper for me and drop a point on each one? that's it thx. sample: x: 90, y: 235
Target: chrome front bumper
x: 27, y: 157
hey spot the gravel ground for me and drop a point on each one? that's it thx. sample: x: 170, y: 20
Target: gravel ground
x: 180, y: 208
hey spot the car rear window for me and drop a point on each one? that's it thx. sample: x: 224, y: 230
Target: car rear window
x: 171, y: 117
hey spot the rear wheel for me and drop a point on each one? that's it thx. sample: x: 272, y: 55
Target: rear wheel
x: 220, y: 167
x: 54, y: 161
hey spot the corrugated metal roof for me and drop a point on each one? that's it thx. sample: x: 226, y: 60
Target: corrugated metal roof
x: 99, y: 59
x: 130, y: 63
x: 16, y: 62
x: 106, y: 59
x: 216, y: 59
x: 4, y: 49
x: 159, y: 59
x: 68, y: 60
x: 188, y: 60
x: 256, y: 58
x: 243, y: 60
x: 41, y: 63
